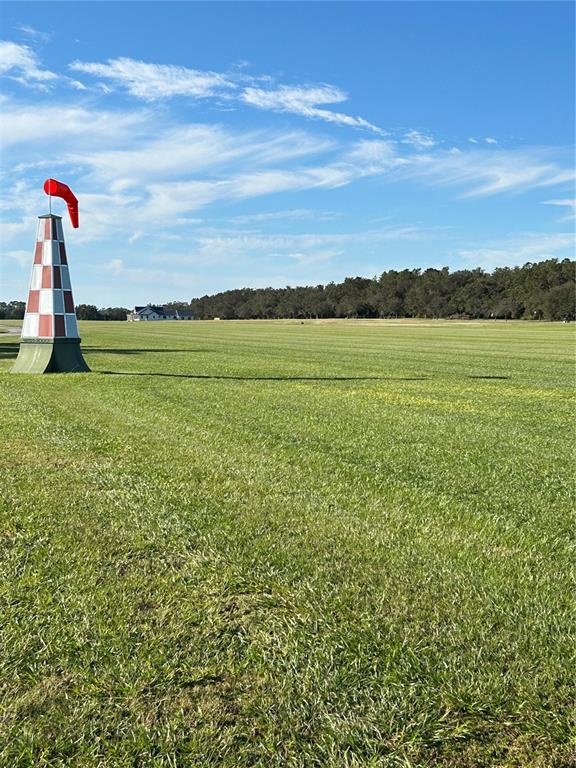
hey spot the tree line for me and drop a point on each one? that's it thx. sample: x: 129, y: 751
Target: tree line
x: 91, y: 312
x: 14, y: 310
x: 539, y: 291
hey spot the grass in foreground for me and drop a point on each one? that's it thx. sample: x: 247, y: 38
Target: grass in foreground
x: 275, y: 544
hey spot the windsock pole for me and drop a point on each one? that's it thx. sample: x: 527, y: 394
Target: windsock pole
x: 50, y: 342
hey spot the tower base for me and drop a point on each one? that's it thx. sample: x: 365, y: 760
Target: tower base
x: 50, y: 356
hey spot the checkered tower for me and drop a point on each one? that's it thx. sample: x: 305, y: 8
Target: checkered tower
x: 50, y: 342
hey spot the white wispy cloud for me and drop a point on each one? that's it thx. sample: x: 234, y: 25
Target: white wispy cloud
x: 315, y: 257
x: 21, y: 63
x: 151, y: 82
x: 490, y: 140
x: 488, y: 172
x: 419, y: 139
x: 520, y: 249
x: 33, y: 33
x: 14, y: 230
x: 194, y: 149
x: 361, y: 160
x: 295, y: 214
x: 37, y: 123
x: 156, y: 81
x: 157, y: 281
x: 175, y: 198
x: 478, y: 172
x: 77, y: 85
x: 233, y: 246
x: 169, y: 203
x: 372, y: 157
x: 305, y: 101
x: 567, y: 202
x: 20, y: 256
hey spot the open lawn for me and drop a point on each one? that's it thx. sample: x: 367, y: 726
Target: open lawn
x: 290, y: 545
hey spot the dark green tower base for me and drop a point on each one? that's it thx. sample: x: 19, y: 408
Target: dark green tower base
x: 50, y: 356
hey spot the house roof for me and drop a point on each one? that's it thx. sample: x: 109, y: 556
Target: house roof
x: 155, y: 308
x: 158, y: 310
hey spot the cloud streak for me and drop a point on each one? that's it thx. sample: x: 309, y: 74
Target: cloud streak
x: 419, y: 139
x: 489, y: 172
x: 301, y: 214
x: 153, y: 82
x: 520, y: 249
x: 569, y: 203
x: 20, y: 63
x: 305, y: 248
x: 305, y: 101
x: 33, y: 33
x: 34, y: 124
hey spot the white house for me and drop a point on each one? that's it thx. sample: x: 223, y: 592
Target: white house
x: 153, y: 312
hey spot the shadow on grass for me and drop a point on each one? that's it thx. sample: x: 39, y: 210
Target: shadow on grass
x: 497, y: 378
x: 263, y: 378
x: 133, y: 351
x: 8, y: 350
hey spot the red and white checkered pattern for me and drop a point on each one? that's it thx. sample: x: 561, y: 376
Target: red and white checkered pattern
x: 50, y: 310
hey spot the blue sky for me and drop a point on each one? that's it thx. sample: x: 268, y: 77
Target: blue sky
x: 221, y: 145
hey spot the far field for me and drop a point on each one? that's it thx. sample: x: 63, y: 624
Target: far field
x: 290, y: 545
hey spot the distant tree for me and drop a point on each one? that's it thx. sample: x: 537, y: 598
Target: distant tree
x: 560, y: 302
x: 390, y: 291
x: 113, y: 313
x: 88, y: 312
x: 179, y: 305
x: 428, y: 295
x: 12, y: 310
x: 468, y: 294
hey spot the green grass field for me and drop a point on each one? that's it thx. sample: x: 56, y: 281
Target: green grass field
x: 290, y: 545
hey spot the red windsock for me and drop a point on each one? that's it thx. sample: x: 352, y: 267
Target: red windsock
x: 57, y: 189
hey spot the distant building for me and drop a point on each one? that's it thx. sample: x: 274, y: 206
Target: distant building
x: 153, y: 312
